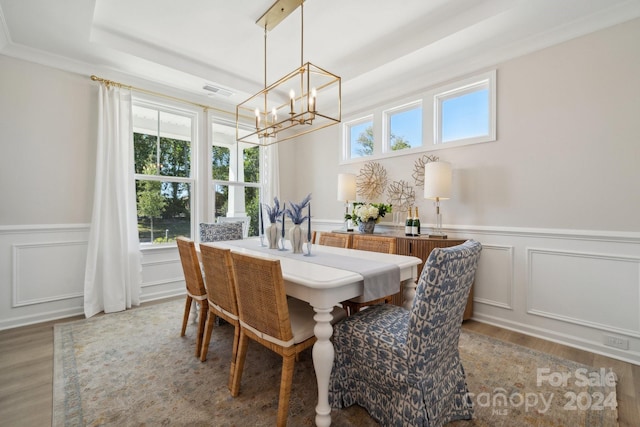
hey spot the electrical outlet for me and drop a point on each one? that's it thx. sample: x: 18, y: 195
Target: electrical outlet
x: 617, y: 342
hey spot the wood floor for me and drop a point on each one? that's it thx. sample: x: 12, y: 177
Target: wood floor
x: 26, y: 372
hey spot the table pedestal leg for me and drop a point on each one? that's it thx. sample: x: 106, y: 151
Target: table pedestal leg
x: 323, y: 354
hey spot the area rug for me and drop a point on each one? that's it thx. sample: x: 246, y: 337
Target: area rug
x: 133, y: 369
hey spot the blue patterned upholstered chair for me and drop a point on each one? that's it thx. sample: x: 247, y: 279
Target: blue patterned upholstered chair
x: 214, y: 232
x: 403, y: 366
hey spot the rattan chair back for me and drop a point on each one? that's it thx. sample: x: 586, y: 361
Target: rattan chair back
x: 221, y: 295
x: 384, y: 244
x: 191, y: 267
x: 338, y: 240
x: 219, y: 280
x: 262, y: 300
x: 195, y: 287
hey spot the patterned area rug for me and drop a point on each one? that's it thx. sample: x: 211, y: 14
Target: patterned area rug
x: 133, y: 368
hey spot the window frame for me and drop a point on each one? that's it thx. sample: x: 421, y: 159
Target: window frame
x: 386, y: 127
x: 238, y: 182
x: 346, y: 137
x: 460, y: 88
x: 192, y: 114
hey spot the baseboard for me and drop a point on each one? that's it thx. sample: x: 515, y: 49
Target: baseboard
x: 558, y: 338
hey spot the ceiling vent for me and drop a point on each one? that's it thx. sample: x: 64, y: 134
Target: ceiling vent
x: 217, y: 90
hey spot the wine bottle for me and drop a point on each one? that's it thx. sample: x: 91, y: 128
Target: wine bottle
x: 414, y: 225
x: 416, y: 220
x: 408, y: 223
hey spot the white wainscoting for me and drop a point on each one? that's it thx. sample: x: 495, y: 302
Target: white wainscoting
x: 612, y: 285
x: 494, y: 277
x: 42, y: 273
x: 574, y: 287
x: 567, y: 286
x: 46, y: 272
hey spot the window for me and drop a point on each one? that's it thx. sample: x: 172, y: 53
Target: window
x: 466, y: 112
x: 163, y: 153
x: 403, y: 127
x: 359, y: 138
x: 235, y: 177
x: 176, y: 191
x: 460, y: 113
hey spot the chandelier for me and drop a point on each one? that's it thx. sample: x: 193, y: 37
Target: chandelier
x: 305, y: 100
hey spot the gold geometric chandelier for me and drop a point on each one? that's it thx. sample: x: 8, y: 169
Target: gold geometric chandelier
x: 305, y: 100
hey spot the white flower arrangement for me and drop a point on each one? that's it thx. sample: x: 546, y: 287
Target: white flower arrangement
x: 363, y: 212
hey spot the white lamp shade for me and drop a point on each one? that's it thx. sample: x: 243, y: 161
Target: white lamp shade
x: 346, y: 187
x: 437, y: 180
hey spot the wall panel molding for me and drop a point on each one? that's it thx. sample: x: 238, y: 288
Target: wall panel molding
x: 597, y: 290
x: 46, y: 272
x: 494, y: 278
x: 548, y: 233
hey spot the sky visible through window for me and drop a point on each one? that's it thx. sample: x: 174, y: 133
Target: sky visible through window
x: 465, y: 116
x: 408, y: 126
x: 355, y: 131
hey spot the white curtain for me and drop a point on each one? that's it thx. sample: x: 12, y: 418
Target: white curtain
x: 270, y: 175
x: 113, y: 269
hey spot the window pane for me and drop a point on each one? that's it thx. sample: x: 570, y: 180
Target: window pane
x: 252, y: 200
x: 145, y: 151
x: 175, y: 157
x: 465, y: 116
x: 405, y: 129
x: 220, y: 159
x: 361, y: 139
x: 164, y: 210
x: 251, y: 158
x: 221, y: 200
x: 239, y: 193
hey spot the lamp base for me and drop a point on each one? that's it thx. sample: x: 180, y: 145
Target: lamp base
x: 438, y: 236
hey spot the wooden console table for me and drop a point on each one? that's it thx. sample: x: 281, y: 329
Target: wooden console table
x: 421, y: 247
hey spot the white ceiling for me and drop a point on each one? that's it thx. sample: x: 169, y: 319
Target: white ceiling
x: 369, y: 43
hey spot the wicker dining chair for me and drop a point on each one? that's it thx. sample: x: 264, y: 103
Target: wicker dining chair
x: 403, y: 366
x: 195, y: 287
x: 383, y: 244
x: 221, y: 297
x: 338, y: 240
x: 283, y: 325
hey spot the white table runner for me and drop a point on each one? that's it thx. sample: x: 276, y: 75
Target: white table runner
x: 380, y: 279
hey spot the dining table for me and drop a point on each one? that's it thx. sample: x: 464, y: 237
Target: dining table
x: 324, y: 276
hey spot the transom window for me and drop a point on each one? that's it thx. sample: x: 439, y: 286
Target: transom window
x: 359, y: 138
x: 466, y: 112
x: 460, y: 113
x: 403, y: 127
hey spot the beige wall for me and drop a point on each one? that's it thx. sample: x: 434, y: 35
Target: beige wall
x: 47, y: 139
x: 567, y: 148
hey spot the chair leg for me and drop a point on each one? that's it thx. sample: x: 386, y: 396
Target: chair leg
x: 207, y: 337
x: 234, y: 355
x: 242, y: 353
x: 204, y: 309
x: 185, y: 318
x: 288, y: 363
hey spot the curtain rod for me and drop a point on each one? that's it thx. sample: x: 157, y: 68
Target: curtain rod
x: 150, y: 92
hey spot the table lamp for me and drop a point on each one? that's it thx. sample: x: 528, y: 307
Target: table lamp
x: 346, y: 192
x: 437, y: 186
